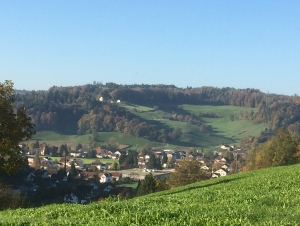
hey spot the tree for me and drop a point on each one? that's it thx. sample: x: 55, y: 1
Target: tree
x: 151, y: 164
x: 147, y: 186
x: 115, y: 166
x: 164, y: 158
x: 78, y: 147
x: 186, y: 173
x: 73, y: 172
x: 14, y: 127
x: 63, y: 149
x: 37, y: 161
x: 158, y: 163
x: 280, y: 150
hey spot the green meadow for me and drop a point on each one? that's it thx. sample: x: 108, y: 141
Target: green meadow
x: 224, y: 130
x: 262, y: 197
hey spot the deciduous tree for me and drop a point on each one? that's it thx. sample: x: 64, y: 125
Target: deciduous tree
x: 186, y: 173
x: 14, y: 127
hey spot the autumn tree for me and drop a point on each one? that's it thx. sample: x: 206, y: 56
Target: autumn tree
x: 14, y: 127
x: 278, y: 151
x: 186, y: 173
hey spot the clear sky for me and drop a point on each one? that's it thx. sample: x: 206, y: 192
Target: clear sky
x: 240, y: 44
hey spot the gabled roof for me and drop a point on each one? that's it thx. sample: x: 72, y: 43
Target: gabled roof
x: 115, y: 174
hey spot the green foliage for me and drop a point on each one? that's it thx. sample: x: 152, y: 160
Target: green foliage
x: 79, y: 146
x: 186, y: 173
x: 151, y: 164
x: 147, y: 186
x: 280, y: 150
x: 14, y: 127
x: 63, y: 150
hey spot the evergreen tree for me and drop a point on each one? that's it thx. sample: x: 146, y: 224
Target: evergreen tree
x: 79, y: 146
x: 63, y: 150
x: 36, y: 144
x: 164, y: 158
x: 158, y: 163
x: 151, y: 164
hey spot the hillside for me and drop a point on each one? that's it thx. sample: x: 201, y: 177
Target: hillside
x: 263, y: 197
x: 223, y: 130
x: 200, y: 117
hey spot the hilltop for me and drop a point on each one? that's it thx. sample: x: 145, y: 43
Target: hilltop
x: 262, y: 197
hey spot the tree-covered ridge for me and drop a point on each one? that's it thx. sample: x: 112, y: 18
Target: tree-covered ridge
x: 73, y: 109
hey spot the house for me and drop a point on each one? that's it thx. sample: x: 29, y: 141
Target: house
x: 88, y: 175
x: 105, y: 177
x: 80, y: 194
x: 93, y: 185
x: 221, y: 172
x: 106, y: 166
x: 116, y: 175
x: 75, y: 198
x: 96, y: 164
x: 37, y: 173
x: 118, y: 153
x: 214, y: 175
x: 76, y: 153
x: 108, y: 188
x: 114, y: 156
x: 204, y: 168
x: 225, y: 167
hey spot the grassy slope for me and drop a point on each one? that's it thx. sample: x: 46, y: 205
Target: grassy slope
x: 73, y: 140
x: 264, y: 197
x: 224, y: 130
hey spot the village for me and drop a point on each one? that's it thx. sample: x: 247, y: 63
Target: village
x: 77, y: 179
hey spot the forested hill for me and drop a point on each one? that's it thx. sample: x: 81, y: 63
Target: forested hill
x: 77, y: 109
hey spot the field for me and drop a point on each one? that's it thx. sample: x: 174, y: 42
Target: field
x: 87, y: 160
x: 72, y: 140
x: 224, y: 130
x: 263, y: 197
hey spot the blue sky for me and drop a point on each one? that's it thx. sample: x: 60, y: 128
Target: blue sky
x: 240, y: 44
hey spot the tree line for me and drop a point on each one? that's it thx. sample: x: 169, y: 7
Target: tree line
x: 72, y: 110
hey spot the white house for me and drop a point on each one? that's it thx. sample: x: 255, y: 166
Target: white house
x: 71, y: 197
x: 221, y: 172
x: 105, y: 177
x: 204, y: 168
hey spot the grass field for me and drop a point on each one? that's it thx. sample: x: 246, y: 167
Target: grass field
x: 87, y: 160
x: 263, y: 197
x: 72, y: 140
x: 224, y: 130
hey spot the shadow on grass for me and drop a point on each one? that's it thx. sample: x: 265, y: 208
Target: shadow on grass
x: 204, y: 186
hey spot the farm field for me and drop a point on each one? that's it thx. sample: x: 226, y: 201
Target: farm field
x: 224, y: 130
x: 57, y: 139
x: 87, y: 160
x: 262, y: 197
